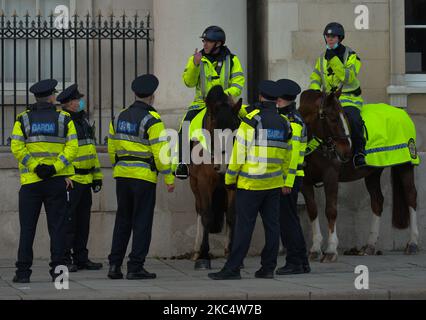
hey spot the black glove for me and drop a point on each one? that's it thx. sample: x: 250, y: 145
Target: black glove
x: 45, y: 171
x: 96, y: 186
x: 329, y: 54
x: 231, y: 186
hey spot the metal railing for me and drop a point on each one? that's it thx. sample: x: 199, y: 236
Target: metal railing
x: 35, y: 42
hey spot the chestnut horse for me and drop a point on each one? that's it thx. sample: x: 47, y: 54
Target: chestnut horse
x: 207, y: 179
x: 331, y: 163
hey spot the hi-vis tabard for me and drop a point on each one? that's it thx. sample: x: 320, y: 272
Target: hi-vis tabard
x: 260, y: 156
x: 328, y: 75
x: 138, y: 146
x: 44, y: 135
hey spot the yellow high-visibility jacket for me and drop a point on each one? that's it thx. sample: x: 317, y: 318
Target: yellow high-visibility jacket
x: 261, y: 153
x: 138, y: 146
x: 44, y: 135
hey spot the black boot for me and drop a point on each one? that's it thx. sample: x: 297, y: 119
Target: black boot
x: 115, y: 272
x: 20, y: 279
x: 182, y: 171
x: 263, y: 273
x: 292, y: 269
x: 225, y: 274
x: 359, y: 160
x: 140, y: 275
x: 89, y: 265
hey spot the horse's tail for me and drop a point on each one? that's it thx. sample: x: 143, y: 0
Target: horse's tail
x: 218, y: 209
x: 400, y: 209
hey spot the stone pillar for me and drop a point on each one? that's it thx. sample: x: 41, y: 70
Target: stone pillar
x: 178, y: 25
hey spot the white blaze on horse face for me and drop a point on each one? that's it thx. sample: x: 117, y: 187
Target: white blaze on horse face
x: 333, y: 241
x: 200, y: 231
x: 414, y: 231
x: 374, y: 230
x: 316, y: 236
x: 346, y: 128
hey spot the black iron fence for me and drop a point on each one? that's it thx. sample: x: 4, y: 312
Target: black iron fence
x: 98, y: 52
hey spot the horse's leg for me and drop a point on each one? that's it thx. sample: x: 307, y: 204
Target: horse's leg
x: 308, y: 192
x: 331, y: 186
x: 197, y: 245
x: 203, y: 262
x: 372, y: 183
x: 407, y: 178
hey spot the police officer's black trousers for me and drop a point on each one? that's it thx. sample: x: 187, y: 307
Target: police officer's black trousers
x: 357, y: 128
x: 79, y: 208
x: 135, y: 211
x: 248, y: 204
x: 51, y: 193
x: 291, y: 231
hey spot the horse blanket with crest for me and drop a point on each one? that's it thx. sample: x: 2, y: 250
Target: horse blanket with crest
x: 390, y: 134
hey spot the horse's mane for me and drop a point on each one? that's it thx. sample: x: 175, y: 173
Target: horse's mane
x: 220, y: 106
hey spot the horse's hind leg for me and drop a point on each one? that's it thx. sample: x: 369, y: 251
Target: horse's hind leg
x: 372, y: 183
x: 198, y: 238
x: 203, y: 261
x: 315, y: 254
x: 406, y: 173
x: 230, y: 221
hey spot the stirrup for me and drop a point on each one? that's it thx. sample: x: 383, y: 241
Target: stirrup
x: 178, y: 172
x: 362, y: 163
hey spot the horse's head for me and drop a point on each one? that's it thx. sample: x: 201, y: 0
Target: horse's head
x: 325, y: 119
x: 222, y: 110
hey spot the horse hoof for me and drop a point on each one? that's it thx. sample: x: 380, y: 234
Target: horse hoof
x: 329, y: 258
x: 195, y: 256
x: 202, y: 264
x: 367, y: 250
x: 315, y: 256
x: 411, y: 249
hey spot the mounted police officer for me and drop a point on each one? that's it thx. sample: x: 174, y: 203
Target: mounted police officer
x: 291, y: 230
x: 139, y: 150
x: 338, y: 68
x: 87, y: 177
x: 214, y: 65
x: 44, y: 141
x: 259, y: 160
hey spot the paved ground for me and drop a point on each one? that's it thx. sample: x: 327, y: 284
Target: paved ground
x: 392, y: 276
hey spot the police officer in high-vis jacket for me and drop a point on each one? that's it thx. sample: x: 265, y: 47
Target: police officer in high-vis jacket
x: 212, y: 66
x: 139, y: 150
x: 88, y: 177
x: 44, y: 141
x: 291, y: 230
x: 258, y: 164
x: 338, y: 68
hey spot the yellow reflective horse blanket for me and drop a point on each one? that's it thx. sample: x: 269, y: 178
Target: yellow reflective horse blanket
x: 390, y: 134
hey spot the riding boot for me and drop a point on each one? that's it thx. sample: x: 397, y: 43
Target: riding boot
x: 357, y: 135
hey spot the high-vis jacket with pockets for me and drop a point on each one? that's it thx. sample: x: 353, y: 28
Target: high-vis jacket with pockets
x: 331, y: 74
x: 44, y: 135
x: 86, y: 164
x: 138, y: 146
x: 227, y: 73
x: 261, y: 152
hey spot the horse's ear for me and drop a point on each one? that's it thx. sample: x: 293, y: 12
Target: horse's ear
x: 237, y: 106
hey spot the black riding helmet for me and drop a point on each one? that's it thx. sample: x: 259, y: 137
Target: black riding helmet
x: 335, y: 29
x: 214, y: 33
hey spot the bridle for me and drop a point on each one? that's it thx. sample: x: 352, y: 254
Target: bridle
x: 328, y: 146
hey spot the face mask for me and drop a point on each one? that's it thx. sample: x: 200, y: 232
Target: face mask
x: 334, y: 47
x: 81, y: 105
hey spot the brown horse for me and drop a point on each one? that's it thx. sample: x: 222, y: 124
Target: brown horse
x: 207, y: 181
x: 331, y: 163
